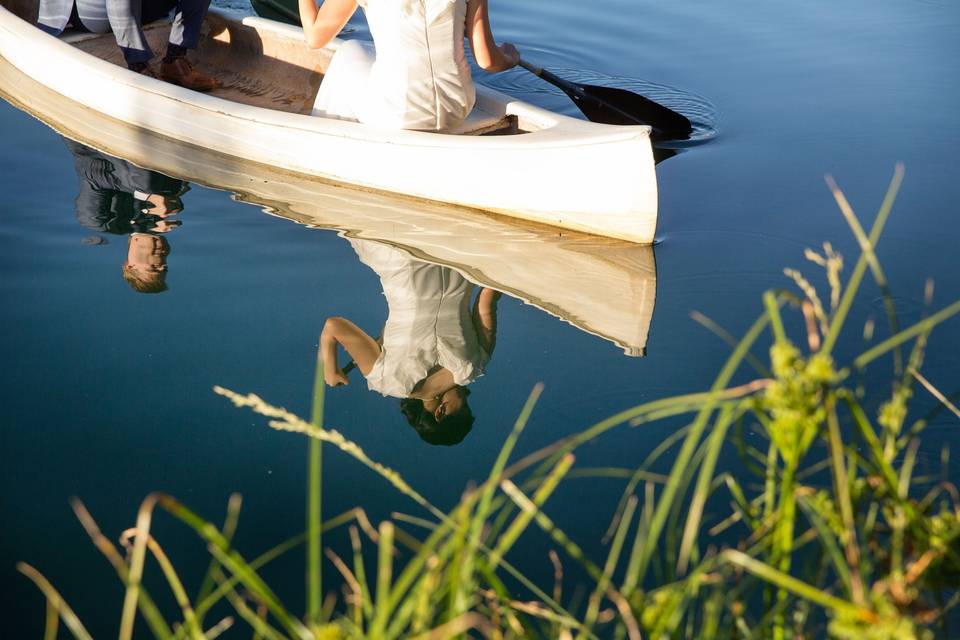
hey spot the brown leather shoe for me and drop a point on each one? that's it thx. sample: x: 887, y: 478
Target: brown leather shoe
x: 147, y: 70
x: 181, y: 72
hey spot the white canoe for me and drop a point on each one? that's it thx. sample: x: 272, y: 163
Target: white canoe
x: 604, y: 286
x: 510, y: 157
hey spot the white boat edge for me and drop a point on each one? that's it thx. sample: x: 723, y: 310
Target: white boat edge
x: 573, y: 174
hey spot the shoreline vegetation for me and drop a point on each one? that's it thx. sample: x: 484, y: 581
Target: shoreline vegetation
x: 825, y: 529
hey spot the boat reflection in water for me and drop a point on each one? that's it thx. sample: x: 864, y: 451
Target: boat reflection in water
x: 600, y: 285
x: 119, y: 198
x: 443, y: 270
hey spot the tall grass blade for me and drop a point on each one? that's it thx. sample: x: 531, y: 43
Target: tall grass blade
x: 137, y: 559
x: 314, y: 492
x: 384, y: 579
x: 866, y: 247
x: 551, y: 529
x: 527, y: 513
x: 842, y: 481
x: 853, y: 285
x: 229, y: 582
x: 773, y: 312
x: 731, y: 341
x: 829, y: 544
x: 668, y: 495
x: 353, y: 597
x: 52, y: 623
x: 457, y: 626
x: 229, y: 529
x: 483, y: 508
x: 873, y: 442
x: 256, y: 621
x: 797, y: 587
x: 233, y: 562
x: 913, y: 331
x: 637, y: 477
x: 219, y: 629
x: 191, y: 625
x: 936, y: 393
x: 701, y: 491
x: 56, y: 601
x: 366, y: 605
x: 149, y: 610
x: 613, y: 557
x: 673, y: 530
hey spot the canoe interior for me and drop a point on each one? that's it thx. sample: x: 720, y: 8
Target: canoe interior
x: 23, y: 9
x: 254, y: 66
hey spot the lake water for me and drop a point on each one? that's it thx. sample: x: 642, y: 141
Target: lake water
x: 106, y: 392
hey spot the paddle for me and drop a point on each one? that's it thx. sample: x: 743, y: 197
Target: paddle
x: 618, y: 106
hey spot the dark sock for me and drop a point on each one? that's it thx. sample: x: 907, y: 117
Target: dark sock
x: 174, y: 51
x: 137, y: 66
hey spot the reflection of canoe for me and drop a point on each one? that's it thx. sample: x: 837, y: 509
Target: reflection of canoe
x: 540, y: 166
x: 604, y: 286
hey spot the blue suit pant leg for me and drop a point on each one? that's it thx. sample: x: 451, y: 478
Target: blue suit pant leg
x: 126, y: 17
x: 187, y: 20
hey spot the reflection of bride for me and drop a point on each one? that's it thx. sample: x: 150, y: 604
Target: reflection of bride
x: 434, y: 343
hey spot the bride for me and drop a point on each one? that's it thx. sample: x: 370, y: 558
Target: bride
x: 415, y: 74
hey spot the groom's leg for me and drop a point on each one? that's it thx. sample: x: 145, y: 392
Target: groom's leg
x: 184, y: 35
x: 124, y: 18
x: 185, y: 32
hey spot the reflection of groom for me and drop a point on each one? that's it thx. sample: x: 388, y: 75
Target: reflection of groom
x: 120, y: 198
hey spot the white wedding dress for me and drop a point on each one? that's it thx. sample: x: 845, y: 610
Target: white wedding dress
x: 413, y: 76
x: 429, y: 322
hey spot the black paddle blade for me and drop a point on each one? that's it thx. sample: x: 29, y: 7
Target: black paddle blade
x: 619, y: 106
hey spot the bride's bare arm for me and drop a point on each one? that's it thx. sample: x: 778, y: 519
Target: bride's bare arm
x: 321, y: 25
x: 487, y: 53
x: 485, y: 318
x: 361, y: 347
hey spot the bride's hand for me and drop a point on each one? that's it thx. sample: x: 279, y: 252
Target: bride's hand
x: 335, y: 378
x: 511, y: 55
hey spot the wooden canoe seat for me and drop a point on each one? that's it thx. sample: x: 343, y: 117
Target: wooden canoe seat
x: 480, y: 122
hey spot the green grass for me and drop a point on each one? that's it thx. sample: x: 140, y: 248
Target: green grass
x: 828, y: 532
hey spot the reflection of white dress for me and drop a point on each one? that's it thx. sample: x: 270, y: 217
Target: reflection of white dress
x: 416, y: 78
x: 429, y: 322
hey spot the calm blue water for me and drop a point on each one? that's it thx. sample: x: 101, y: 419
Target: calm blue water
x: 106, y: 393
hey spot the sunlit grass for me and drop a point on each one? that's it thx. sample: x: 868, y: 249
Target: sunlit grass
x: 828, y: 533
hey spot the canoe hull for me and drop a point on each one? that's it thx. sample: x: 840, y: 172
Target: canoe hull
x: 569, y: 173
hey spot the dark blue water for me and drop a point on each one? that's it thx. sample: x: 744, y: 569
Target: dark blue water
x: 106, y: 392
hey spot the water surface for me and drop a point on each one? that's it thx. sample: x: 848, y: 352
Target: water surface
x: 107, y: 392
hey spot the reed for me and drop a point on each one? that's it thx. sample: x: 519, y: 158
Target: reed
x: 829, y: 531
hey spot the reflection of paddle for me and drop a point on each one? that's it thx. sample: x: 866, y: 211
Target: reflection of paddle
x: 610, y: 105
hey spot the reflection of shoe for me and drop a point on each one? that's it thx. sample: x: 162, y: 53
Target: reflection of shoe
x: 181, y: 72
